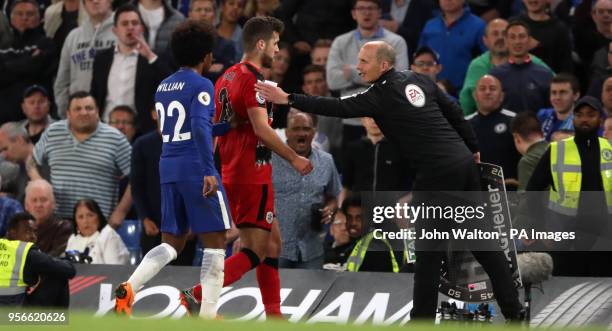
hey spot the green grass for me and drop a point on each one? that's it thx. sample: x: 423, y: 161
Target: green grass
x: 85, y: 322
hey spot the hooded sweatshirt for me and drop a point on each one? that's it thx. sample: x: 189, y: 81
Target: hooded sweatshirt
x: 76, y: 61
x: 53, y: 17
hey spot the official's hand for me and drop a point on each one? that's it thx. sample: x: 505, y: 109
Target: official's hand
x: 210, y: 186
x: 150, y: 227
x: 477, y: 157
x: 302, y: 165
x: 271, y: 93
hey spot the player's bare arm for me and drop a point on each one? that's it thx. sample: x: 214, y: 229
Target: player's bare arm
x: 259, y: 121
x: 32, y: 169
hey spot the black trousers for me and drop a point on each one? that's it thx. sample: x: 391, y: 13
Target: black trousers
x: 461, y: 176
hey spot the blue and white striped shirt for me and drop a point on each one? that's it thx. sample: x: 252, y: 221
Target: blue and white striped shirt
x: 88, y: 169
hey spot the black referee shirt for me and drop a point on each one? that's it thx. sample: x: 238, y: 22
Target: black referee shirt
x: 413, y: 113
x: 380, y: 167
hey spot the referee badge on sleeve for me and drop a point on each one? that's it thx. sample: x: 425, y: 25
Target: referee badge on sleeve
x: 415, y: 95
x: 204, y: 98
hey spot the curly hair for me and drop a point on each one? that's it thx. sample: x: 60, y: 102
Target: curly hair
x: 191, y: 42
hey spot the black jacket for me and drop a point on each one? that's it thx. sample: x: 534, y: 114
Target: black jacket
x: 496, y: 142
x: 380, y: 167
x: 337, y: 254
x: 315, y: 19
x: 554, y: 42
x: 432, y: 136
x: 39, y: 264
x: 144, y: 176
x: 585, y: 35
x: 30, y: 59
x: 148, y: 77
x: 377, y: 258
x: 525, y: 85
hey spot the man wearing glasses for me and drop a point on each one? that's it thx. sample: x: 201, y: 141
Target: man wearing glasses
x: 426, y: 62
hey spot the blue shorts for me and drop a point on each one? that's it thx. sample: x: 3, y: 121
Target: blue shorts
x: 184, y: 207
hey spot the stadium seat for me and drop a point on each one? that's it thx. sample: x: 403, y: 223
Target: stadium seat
x: 130, y: 232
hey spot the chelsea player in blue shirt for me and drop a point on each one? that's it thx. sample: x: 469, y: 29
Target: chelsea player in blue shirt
x: 192, y: 197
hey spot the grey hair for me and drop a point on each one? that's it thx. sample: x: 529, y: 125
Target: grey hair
x: 42, y: 184
x: 14, y: 130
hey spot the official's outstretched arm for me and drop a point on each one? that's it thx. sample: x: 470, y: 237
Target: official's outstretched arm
x: 364, y: 104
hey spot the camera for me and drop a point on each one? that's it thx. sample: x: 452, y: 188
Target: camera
x: 75, y: 256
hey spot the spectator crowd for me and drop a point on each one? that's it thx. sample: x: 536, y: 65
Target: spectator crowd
x: 79, y: 146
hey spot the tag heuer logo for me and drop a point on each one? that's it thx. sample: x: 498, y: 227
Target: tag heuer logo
x: 415, y: 95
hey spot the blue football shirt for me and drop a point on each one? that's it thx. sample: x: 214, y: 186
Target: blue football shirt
x: 185, y: 110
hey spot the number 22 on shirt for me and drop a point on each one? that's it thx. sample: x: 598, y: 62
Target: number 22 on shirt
x: 175, y: 109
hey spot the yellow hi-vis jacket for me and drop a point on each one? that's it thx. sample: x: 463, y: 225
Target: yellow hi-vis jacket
x: 566, y: 169
x: 355, y: 260
x: 13, y: 254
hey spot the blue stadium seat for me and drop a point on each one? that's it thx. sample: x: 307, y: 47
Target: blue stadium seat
x: 130, y: 232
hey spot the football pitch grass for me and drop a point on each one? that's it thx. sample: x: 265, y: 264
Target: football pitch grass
x: 86, y: 322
